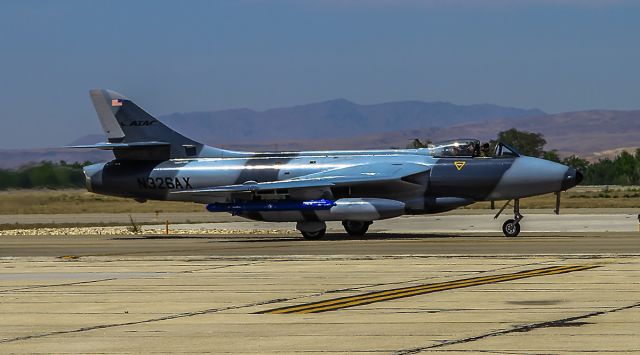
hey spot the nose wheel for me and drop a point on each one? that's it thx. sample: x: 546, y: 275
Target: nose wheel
x: 511, y: 227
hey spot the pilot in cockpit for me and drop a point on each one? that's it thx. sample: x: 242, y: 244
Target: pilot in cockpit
x: 485, y: 150
x: 472, y: 149
x: 468, y: 149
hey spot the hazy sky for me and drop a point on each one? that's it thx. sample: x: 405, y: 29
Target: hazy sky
x: 170, y: 56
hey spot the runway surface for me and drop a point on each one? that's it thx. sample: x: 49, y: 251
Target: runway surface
x: 333, y: 244
x: 368, y: 304
x: 457, y: 290
x: 207, y: 217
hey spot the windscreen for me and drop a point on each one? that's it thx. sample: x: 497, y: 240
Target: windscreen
x: 456, y: 148
x: 503, y: 150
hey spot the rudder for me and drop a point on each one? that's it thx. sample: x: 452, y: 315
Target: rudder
x: 139, y: 135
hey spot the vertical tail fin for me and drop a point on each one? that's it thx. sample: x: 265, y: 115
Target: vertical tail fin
x: 140, y: 136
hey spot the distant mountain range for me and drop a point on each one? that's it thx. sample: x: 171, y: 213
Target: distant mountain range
x: 331, y: 119
x: 590, y: 134
x: 342, y: 124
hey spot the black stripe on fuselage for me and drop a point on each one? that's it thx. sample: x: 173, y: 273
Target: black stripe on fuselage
x: 476, y: 179
x: 268, y: 171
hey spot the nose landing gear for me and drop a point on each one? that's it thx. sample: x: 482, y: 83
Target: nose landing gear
x: 511, y: 227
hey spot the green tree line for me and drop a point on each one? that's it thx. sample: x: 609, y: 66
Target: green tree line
x: 45, y: 174
x: 624, y: 169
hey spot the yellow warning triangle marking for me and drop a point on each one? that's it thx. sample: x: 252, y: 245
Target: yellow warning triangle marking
x: 459, y: 164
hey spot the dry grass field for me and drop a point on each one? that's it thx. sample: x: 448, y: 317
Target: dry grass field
x: 80, y: 201
x: 582, y: 197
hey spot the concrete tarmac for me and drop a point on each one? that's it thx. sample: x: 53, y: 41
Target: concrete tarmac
x: 332, y: 244
x: 387, y: 293
x: 207, y: 304
x: 207, y: 217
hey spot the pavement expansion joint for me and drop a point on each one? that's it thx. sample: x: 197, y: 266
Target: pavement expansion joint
x: 56, y: 285
x: 145, y: 321
x: 575, y: 321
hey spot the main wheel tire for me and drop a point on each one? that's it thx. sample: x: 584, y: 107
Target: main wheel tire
x: 356, y: 228
x: 314, y: 235
x: 511, y: 228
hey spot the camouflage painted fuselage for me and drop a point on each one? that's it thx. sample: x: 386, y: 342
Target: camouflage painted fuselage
x: 446, y: 183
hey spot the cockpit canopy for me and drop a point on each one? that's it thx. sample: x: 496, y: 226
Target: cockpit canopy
x: 470, y: 148
x: 456, y: 148
x: 504, y: 150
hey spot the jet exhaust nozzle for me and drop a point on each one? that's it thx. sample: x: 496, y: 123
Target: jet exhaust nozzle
x: 93, y: 176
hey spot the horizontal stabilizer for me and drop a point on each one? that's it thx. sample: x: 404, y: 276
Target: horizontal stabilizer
x: 112, y: 146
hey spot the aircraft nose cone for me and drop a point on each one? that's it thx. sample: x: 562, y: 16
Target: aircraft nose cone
x: 579, y: 177
x: 571, y: 178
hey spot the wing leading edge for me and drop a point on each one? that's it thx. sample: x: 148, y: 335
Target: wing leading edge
x: 353, y: 175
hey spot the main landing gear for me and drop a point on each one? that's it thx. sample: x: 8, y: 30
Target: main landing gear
x: 511, y: 227
x: 312, y: 230
x: 356, y: 228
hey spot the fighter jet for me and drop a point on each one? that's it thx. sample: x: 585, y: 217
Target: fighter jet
x: 154, y: 162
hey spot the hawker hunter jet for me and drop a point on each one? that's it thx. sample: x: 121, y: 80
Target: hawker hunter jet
x: 153, y: 162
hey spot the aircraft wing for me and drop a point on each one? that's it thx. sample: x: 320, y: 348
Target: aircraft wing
x: 353, y: 175
x: 261, y: 186
x: 367, y: 173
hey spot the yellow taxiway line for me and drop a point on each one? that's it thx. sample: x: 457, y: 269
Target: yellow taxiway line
x: 385, y: 295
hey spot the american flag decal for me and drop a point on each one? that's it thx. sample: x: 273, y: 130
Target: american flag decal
x: 116, y: 103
